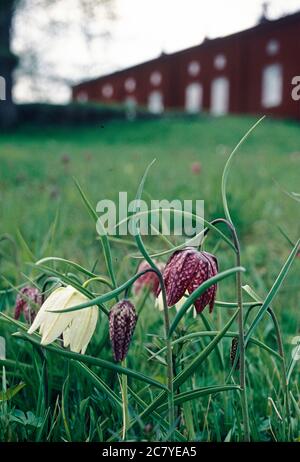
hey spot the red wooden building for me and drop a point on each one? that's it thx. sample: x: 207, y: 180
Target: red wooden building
x: 246, y: 72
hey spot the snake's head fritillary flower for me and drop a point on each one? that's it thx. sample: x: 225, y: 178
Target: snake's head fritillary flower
x: 122, y: 321
x: 77, y: 327
x: 28, y: 301
x: 185, y: 271
x: 150, y: 279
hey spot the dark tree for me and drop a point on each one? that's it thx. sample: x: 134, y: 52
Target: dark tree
x: 8, y: 62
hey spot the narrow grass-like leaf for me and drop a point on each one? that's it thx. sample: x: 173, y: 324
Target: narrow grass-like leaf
x: 213, y: 333
x: 24, y: 246
x: 199, y: 291
x: 103, y: 237
x: 67, y: 280
x: 11, y: 392
x: 98, y: 383
x: 102, y: 298
x: 74, y: 265
x: 164, y: 424
x: 187, y: 372
x: 198, y: 393
x: 34, y: 339
x: 227, y: 169
x: 273, y: 292
x: 189, y: 214
x: 198, y: 360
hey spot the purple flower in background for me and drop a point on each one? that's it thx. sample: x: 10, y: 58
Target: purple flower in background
x: 122, y: 321
x: 149, y: 279
x: 196, y: 168
x: 185, y: 271
x: 29, y: 299
x: 65, y: 159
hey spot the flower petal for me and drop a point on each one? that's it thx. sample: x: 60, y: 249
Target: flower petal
x: 54, y: 301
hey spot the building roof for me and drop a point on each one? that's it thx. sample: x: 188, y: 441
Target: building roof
x: 260, y: 27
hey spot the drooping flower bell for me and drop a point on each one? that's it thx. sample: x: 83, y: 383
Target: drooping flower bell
x: 149, y: 279
x: 185, y: 271
x: 77, y: 327
x: 122, y: 321
x: 28, y: 301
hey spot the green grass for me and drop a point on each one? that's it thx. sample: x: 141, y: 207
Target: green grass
x: 58, y: 402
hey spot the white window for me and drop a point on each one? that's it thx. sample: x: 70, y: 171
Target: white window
x: 107, y: 90
x: 194, y: 68
x: 2, y: 89
x: 155, y: 102
x: 220, y: 96
x: 272, y: 82
x: 193, y: 98
x: 82, y: 97
x: 155, y: 78
x: 130, y: 107
x: 130, y: 84
x: 272, y: 47
x: 220, y: 62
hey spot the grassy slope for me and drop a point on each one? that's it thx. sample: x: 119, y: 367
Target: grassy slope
x: 34, y: 183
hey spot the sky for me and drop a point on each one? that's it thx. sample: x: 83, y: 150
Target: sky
x: 141, y: 30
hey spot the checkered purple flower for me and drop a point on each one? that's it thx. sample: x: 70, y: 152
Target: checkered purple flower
x: 122, y: 321
x: 185, y: 271
x: 28, y: 302
x: 149, y: 279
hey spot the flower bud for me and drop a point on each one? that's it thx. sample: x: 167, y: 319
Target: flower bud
x: 122, y: 321
x: 233, y: 350
x: 185, y: 271
x: 149, y: 279
x: 28, y: 301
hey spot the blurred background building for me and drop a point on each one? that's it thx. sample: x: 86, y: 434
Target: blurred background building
x: 245, y: 72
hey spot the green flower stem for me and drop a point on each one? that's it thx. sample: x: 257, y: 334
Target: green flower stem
x: 169, y: 359
x: 244, y: 402
x: 99, y: 279
x: 124, y: 388
x: 241, y: 330
x: 283, y: 370
x: 281, y: 356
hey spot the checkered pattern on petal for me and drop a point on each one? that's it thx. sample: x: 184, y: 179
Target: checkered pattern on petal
x: 185, y: 271
x: 178, y: 274
x: 122, y: 321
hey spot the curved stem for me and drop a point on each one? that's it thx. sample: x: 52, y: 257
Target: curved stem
x: 99, y: 279
x: 242, y: 350
x: 283, y: 361
x: 239, y: 295
x: 169, y: 359
x: 124, y: 389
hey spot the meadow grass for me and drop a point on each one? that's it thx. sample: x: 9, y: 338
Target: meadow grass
x: 42, y: 215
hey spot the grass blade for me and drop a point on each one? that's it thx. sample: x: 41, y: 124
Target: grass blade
x: 199, y: 291
x: 227, y: 169
x: 198, y: 393
x: 34, y: 339
x: 274, y: 290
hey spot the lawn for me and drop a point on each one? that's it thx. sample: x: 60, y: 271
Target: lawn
x: 42, y: 214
